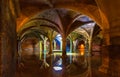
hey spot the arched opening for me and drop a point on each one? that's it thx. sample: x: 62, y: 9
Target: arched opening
x: 65, y: 22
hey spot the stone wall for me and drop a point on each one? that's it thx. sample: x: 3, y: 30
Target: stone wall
x: 0, y: 57
x: 0, y: 39
x: 7, y: 40
x: 114, y: 61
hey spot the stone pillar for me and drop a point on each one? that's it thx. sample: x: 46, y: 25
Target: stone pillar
x: 114, y: 62
x: 71, y: 50
x: 64, y: 47
x: 45, y: 48
x: 8, y: 39
x: 64, y: 56
x: 89, y: 57
x: 0, y: 39
x: 105, y: 53
x: 74, y: 45
x: 105, y: 59
x: 0, y: 54
x: 40, y: 49
x: 50, y: 47
x: 54, y: 47
x: 114, y: 49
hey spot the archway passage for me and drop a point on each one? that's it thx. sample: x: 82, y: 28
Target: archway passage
x: 104, y: 13
x: 64, y: 22
x: 61, y: 20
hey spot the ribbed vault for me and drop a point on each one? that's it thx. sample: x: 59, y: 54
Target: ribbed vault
x: 87, y: 7
x: 62, y: 20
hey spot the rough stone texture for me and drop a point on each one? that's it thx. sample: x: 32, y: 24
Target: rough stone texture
x: 0, y: 39
x: 0, y: 56
x: 27, y: 9
x: 105, y: 60
x: 115, y: 40
x: 110, y: 60
x: 7, y: 40
x: 114, y: 63
x: 8, y: 35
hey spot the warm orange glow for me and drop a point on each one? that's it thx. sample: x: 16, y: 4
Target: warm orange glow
x: 82, y: 46
x: 81, y: 50
x: 21, y: 22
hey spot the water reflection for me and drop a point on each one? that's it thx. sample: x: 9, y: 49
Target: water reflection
x: 57, y: 68
x: 58, y: 65
x: 74, y: 65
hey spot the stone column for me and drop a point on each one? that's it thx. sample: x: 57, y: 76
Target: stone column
x: 45, y: 48
x: 0, y: 54
x: 64, y: 47
x: 74, y: 45
x: 71, y: 46
x: 54, y: 47
x: 105, y: 53
x: 105, y: 59
x: 71, y: 50
x: 114, y: 61
x: 40, y: 49
x: 0, y: 38
x: 8, y: 39
x: 114, y: 49
x: 64, y: 56
x: 50, y: 47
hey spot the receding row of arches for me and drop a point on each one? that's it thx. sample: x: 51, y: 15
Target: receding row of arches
x: 37, y: 20
x: 54, y: 21
x: 59, y: 31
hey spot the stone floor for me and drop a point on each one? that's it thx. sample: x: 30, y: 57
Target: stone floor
x: 31, y: 66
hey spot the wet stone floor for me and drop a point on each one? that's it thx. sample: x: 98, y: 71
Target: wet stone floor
x: 53, y: 66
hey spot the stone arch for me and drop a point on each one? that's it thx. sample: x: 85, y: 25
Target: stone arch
x: 88, y: 10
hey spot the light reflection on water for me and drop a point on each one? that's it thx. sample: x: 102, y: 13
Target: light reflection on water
x: 52, y: 66
x: 75, y: 64
x: 58, y: 65
x: 57, y: 68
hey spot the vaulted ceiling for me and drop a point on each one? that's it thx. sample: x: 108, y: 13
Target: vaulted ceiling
x: 103, y: 12
x: 61, y: 20
x: 29, y: 8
